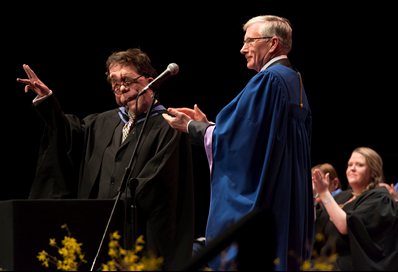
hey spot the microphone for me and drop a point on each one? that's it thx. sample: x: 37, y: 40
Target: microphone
x: 172, y: 69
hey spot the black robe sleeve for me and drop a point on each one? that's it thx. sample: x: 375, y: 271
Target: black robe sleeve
x: 59, y: 154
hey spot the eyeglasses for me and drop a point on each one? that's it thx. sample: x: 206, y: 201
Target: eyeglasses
x: 251, y: 41
x: 125, y: 81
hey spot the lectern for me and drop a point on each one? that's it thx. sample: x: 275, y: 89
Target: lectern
x: 27, y: 225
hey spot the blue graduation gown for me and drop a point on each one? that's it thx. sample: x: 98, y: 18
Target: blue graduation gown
x: 261, y: 159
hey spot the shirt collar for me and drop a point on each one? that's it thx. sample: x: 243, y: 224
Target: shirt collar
x: 157, y: 109
x: 272, y: 61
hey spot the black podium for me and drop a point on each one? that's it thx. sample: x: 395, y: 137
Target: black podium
x: 27, y: 225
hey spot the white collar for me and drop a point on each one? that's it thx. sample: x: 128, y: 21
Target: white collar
x: 272, y: 61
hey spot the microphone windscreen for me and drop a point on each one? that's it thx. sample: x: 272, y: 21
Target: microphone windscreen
x: 173, y: 68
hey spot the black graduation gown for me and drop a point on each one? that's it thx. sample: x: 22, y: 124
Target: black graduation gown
x: 83, y: 158
x: 372, y: 239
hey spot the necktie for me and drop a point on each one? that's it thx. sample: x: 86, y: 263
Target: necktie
x: 127, y: 127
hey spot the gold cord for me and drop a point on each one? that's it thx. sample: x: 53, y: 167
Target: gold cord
x: 301, y: 91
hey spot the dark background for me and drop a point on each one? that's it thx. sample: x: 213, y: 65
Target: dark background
x: 346, y: 55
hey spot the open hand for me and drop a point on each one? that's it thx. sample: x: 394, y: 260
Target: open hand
x: 33, y: 82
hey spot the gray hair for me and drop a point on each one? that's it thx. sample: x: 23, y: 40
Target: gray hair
x: 274, y: 26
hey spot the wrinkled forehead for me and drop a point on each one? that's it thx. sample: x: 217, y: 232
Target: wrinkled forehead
x: 118, y: 70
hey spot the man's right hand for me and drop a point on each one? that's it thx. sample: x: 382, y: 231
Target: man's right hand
x: 179, y: 118
x: 33, y: 82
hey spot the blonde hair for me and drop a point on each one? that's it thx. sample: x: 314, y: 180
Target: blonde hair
x: 375, y: 163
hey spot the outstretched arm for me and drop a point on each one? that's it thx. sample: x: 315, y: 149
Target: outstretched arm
x: 179, y: 118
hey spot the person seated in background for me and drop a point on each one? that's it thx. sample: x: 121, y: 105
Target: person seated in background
x: 321, y: 216
x: 363, y: 226
x: 335, y: 184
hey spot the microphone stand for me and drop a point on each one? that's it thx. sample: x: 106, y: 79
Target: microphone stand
x: 130, y: 201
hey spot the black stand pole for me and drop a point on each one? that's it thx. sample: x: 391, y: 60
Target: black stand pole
x: 130, y: 201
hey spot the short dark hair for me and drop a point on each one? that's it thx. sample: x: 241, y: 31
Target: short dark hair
x: 132, y: 57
